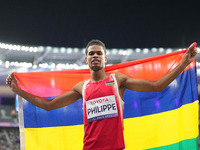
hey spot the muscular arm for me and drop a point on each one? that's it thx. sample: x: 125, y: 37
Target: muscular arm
x: 128, y: 82
x: 63, y: 100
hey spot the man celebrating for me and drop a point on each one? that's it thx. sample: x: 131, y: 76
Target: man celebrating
x: 102, y: 97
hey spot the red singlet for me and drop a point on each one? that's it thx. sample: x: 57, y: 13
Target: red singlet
x: 103, y: 115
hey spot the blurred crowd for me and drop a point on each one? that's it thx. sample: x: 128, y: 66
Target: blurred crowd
x: 9, y: 138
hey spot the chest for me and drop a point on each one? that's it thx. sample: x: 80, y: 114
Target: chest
x: 100, y: 89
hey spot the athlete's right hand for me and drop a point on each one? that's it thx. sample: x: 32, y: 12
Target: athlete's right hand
x: 12, y: 82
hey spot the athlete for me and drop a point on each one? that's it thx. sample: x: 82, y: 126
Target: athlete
x: 102, y: 97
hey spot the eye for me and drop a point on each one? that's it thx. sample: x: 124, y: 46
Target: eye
x: 99, y: 53
x: 91, y: 53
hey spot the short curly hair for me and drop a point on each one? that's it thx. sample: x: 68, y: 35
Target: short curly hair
x: 95, y: 42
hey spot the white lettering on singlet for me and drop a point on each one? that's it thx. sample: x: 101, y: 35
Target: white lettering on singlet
x: 101, y: 108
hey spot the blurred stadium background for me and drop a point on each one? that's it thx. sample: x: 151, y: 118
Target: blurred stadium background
x: 26, y: 58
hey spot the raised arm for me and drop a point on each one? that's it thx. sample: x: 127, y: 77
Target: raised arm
x: 128, y: 82
x: 60, y: 101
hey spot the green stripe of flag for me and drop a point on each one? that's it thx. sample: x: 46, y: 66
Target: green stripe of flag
x: 190, y: 144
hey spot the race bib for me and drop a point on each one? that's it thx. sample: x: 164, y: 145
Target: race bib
x: 101, y: 108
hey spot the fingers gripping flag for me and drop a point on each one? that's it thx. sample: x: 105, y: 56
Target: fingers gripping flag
x: 166, y: 120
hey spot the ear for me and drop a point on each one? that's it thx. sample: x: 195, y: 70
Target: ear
x: 106, y: 59
x: 86, y: 60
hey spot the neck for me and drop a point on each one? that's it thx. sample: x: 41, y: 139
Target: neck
x: 98, y: 75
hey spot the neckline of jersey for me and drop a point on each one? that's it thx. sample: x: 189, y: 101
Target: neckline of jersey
x: 96, y: 82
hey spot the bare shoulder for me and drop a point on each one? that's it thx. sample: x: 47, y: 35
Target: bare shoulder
x: 78, y: 87
x: 121, y: 78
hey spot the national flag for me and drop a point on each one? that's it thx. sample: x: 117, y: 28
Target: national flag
x: 166, y: 120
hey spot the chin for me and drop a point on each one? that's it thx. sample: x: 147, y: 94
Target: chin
x: 96, y: 68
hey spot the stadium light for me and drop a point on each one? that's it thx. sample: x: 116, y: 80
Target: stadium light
x: 169, y: 50
x: 161, y: 50
x: 154, y: 49
x: 114, y: 51
x: 69, y: 50
x: 145, y: 50
x: 62, y: 49
x: 76, y: 50
x: 138, y: 50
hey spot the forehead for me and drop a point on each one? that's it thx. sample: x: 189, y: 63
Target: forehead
x: 95, y: 48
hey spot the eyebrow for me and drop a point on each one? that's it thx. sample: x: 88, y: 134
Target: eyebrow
x: 95, y: 51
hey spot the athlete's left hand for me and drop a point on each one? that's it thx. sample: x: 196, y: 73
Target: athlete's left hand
x: 191, y: 53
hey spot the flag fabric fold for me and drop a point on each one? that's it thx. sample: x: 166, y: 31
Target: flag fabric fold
x: 163, y: 120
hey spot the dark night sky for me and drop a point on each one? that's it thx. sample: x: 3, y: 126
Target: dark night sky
x: 120, y: 24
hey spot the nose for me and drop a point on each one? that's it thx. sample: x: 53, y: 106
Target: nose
x: 95, y: 55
